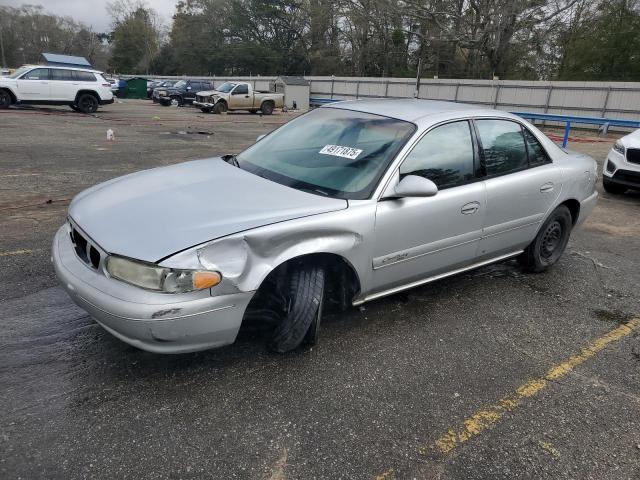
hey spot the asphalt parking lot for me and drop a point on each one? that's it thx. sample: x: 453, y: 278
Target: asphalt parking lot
x: 490, y: 374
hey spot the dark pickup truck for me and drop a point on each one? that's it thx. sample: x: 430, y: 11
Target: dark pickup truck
x: 183, y: 92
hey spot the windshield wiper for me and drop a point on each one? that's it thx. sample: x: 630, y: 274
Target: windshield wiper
x: 312, y: 190
x: 232, y: 160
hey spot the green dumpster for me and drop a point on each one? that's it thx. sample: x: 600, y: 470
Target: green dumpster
x: 137, y: 88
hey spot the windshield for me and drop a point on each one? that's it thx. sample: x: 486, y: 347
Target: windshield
x: 329, y: 151
x: 19, y: 72
x: 226, y: 87
x: 180, y: 84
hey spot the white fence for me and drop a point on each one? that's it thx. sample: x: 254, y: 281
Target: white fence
x: 592, y: 99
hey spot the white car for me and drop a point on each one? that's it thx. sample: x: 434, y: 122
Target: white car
x: 82, y: 89
x: 622, y: 169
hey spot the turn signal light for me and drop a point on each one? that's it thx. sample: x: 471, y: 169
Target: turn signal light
x: 206, y: 280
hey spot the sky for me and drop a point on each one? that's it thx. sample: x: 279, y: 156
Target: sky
x: 92, y: 12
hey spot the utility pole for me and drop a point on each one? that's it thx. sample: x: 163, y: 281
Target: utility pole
x: 418, y: 76
x: 4, y: 60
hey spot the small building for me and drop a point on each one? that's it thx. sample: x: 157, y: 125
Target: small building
x: 137, y: 88
x: 56, y: 60
x: 295, y: 89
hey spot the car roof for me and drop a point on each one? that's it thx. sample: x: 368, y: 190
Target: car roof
x: 411, y: 109
x: 61, y: 67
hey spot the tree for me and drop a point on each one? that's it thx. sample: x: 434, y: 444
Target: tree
x: 135, y: 38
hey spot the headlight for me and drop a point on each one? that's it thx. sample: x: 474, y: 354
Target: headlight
x: 161, y: 279
x: 162, y: 94
x: 618, y: 147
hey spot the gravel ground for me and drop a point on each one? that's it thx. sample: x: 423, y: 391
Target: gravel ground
x: 380, y: 395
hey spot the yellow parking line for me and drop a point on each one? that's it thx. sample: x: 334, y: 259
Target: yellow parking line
x: 18, y: 252
x: 492, y: 414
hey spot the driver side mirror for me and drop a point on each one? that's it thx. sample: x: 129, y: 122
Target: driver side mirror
x: 412, y: 186
x: 188, y: 88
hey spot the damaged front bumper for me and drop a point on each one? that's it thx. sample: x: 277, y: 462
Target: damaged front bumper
x: 203, y: 104
x: 156, y: 322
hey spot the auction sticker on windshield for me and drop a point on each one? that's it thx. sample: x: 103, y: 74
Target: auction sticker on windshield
x: 338, y: 151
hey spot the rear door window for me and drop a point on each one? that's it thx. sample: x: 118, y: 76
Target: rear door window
x: 445, y: 156
x: 63, y: 75
x: 502, y: 146
x: 537, y: 153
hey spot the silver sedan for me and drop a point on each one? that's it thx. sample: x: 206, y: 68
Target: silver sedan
x: 345, y: 204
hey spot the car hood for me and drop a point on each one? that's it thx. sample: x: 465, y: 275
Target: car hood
x: 632, y: 140
x: 209, y: 93
x: 155, y: 213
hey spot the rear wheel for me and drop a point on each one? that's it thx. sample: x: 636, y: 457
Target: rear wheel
x: 5, y: 99
x: 87, y: 103
x: 613, y: 188
x: 267, y: 108
x: 548, y: 246
x: 303, y: 309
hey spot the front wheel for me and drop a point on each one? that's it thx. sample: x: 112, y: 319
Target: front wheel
x: 5, y: 99
x: 74, y: 108
x: 87, y: 103
x: 220, y: 107
x: 548, y: 246
x: 205, y: 110
x: 301, y: 321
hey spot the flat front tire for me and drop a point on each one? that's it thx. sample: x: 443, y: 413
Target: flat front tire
x: 5, y: 99
x: 87, y: 103
x: 550, y: 242
x: 301, y: 320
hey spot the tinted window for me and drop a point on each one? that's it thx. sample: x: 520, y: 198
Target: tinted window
x: 83, y: 76
x: 65, y: 75
x: 37, y: 74
x: 502, y: 146
x: 444, y: 156
x: 537, y: 154
x: 241, y: 90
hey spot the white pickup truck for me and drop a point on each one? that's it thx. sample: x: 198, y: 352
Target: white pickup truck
x: 238, y: 96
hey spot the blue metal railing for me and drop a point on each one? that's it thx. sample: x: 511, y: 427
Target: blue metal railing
x: 605, y: 123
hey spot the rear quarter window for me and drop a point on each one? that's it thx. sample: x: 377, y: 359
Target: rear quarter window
x: 84, y: 76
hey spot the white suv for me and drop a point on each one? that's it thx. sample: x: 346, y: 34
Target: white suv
x: 83, y: 90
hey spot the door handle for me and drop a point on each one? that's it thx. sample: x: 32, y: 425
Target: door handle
x: 470, y: 208
x: 246, y: 96
x: 547, y: 187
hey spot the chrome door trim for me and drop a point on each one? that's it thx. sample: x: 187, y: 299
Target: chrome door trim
x: 417, y: 283
x: 422, y: 250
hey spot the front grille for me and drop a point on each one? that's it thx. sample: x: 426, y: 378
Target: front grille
x: 85, y: 251
x: 202, y: 99
x: 633, y: 155
x: 627, y: 176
